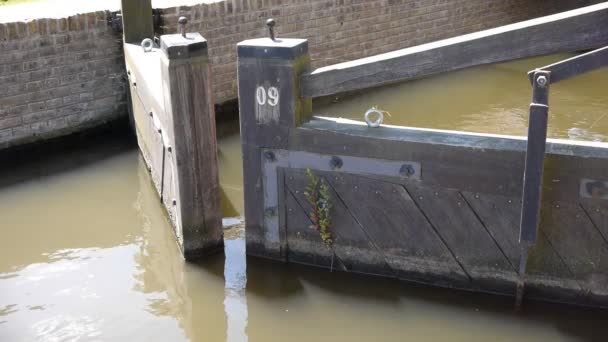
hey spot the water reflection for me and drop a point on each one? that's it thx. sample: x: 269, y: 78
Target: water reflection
x: 235, y: 277
x: 86, y: 253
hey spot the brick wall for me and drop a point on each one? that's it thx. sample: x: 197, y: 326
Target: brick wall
x: 59, y: 76
x: 342, y: 30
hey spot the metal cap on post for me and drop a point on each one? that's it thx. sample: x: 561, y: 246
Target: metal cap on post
x: 188, y: 99
x: 270, y: 108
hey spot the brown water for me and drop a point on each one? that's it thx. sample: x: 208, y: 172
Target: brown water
x: 86, y: 253
x: 487, y: 99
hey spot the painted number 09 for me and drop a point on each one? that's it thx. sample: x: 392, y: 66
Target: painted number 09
x: 271, y: 96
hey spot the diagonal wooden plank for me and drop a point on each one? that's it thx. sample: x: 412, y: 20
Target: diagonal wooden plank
x: 391, y: 219
x: 354, y: 249
x: 597, y: 211
x: 500, y: 215
x: 580, y: 245
x: 466, y: 236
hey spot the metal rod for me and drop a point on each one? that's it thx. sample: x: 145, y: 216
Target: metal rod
x: 533, y: 173
x: 270, y: 23
x: 182, y: 21
x: 575, y: 66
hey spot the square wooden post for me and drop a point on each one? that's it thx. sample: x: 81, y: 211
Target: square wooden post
x: 188, y: 100
x: 270, y: 107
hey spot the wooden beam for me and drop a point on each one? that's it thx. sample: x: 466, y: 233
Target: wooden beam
x: 575, y: 66
x: 137, y: 20
x: 188, y: 100
x: 583, y: 28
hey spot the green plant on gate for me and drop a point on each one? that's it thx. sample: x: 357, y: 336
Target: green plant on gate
x: 317, y: 194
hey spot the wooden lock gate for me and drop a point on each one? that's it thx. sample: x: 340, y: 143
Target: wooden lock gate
x: 173, y: 112
x: 432, y: 206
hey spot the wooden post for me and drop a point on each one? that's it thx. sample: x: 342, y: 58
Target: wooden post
x: 137, y: 23
x: 188, y: 101
x: 269, y: 108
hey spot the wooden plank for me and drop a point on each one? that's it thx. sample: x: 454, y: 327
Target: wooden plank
x: 579, y: 29
x: 466, y: 237
x: 597, y: 210
x: 469, y: 162
x: 189, y: 110
x: 579, y: 244
x: 355, y: 251
x: 547, y: 275
x: 137, y: 20
x: 400, y: 230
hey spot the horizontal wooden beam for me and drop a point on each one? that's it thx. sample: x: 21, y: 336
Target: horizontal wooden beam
x: 580, y: 29
x: 575, y: 66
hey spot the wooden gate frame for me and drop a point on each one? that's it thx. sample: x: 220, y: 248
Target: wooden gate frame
x: 174, y: 116
x: 275, y: 100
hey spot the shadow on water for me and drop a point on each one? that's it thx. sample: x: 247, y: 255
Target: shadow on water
x: 273, y: 279
x: 41, y: 159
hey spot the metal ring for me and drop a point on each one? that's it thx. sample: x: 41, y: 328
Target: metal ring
x: 374, y: 123
x: 147, y: 44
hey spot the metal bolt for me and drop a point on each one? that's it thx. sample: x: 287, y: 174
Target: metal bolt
x: 335, y: 163
x: 407, y: 170
x: 541, y: 80
x: 270, y: 23
x: 269, y: 155
x: 182, y: 21
x: 270, y: 212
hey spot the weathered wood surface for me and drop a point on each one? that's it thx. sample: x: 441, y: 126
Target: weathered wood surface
x: 446, y: 237
x: 260, y: 67
x: 189, y: 103
x: 579, y: 29
x: 457, y: 225
x: 175, y: 124
x: 137, y: 23
x: 454, y: 222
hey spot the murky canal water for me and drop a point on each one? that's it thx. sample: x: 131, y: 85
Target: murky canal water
x: 487, y: 99
x: 87, y: 254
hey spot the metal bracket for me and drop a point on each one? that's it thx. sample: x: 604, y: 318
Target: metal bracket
x: 272, y: 160
x: 115, y: 21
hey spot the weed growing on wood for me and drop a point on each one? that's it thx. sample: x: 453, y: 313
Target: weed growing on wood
x: 317, y: 194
